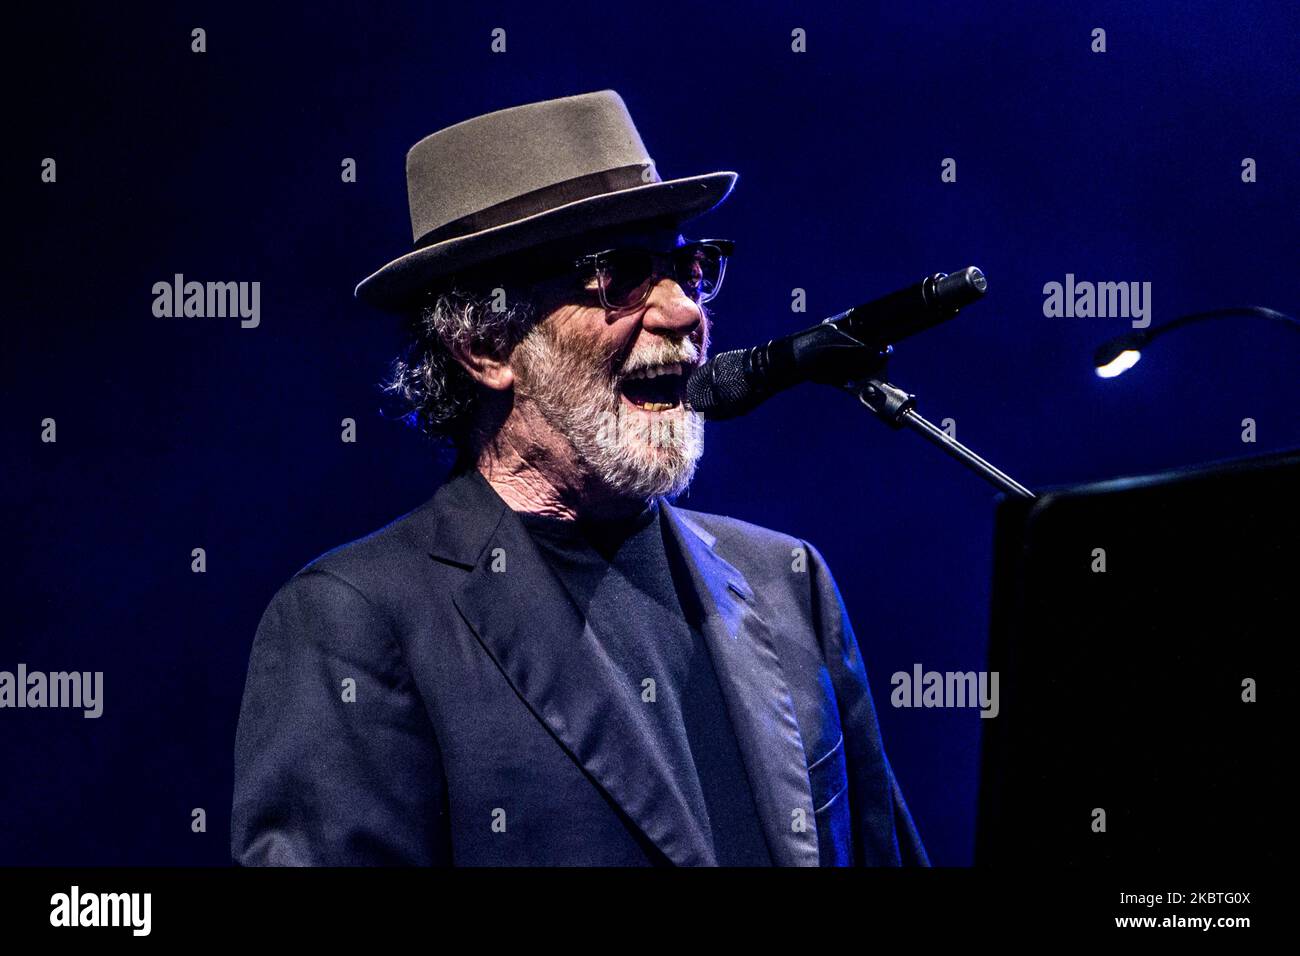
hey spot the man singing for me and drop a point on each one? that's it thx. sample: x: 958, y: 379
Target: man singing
x: 548, y: 663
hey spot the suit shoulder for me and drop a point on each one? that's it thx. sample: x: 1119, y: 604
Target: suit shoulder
x: 374, y: 560
x: 733, y: 533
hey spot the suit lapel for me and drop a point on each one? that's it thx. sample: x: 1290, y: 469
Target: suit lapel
x: 529, y: 625
x: 757, y: 697
x: 527, y: 622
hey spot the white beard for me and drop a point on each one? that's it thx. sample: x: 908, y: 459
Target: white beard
x: 632, y: 452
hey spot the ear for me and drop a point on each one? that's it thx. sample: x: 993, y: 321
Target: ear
x: 485, y: 369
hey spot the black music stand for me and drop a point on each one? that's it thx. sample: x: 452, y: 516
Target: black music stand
x: 1123, y: 690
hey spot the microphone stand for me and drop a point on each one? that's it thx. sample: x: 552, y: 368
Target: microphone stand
x: 897, y: 409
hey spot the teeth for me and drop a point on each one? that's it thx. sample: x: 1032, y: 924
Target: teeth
x: 655, y: 371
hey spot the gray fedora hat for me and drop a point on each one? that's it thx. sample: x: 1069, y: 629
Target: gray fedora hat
x: 509, y: 181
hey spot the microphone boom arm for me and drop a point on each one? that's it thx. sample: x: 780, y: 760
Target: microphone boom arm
x: 897, y: 409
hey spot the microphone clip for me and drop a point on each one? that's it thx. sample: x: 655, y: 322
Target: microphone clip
x: 889, y: 402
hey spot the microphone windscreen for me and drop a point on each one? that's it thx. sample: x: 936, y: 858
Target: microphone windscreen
x: 719, y: 388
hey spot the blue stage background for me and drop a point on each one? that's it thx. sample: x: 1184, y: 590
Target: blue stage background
x: 175, y: 434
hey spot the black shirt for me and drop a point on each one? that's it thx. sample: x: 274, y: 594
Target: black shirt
x: 622, y: 579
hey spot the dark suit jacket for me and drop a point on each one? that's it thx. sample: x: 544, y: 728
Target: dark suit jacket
x: 488, y: 727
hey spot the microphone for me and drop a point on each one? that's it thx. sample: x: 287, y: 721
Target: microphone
x: 851, y: 344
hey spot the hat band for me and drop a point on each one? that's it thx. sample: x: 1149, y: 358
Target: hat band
x: 540, y: 200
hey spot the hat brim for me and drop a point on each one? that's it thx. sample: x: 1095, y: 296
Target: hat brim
x: 395, y: 286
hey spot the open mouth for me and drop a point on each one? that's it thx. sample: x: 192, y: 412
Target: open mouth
x: 656, y: 388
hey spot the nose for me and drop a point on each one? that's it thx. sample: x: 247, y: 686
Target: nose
x: 670, y: 311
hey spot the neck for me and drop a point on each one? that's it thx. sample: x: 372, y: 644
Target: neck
x: 541, y: 478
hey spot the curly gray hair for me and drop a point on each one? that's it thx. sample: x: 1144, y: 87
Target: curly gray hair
x: 434, y: 392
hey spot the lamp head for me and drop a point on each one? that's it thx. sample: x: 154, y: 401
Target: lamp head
x: 1118, y: 355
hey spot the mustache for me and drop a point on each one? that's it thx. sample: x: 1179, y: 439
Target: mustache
x: 662, y: 352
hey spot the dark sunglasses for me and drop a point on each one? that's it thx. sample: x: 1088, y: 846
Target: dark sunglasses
x: 626, y: 275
